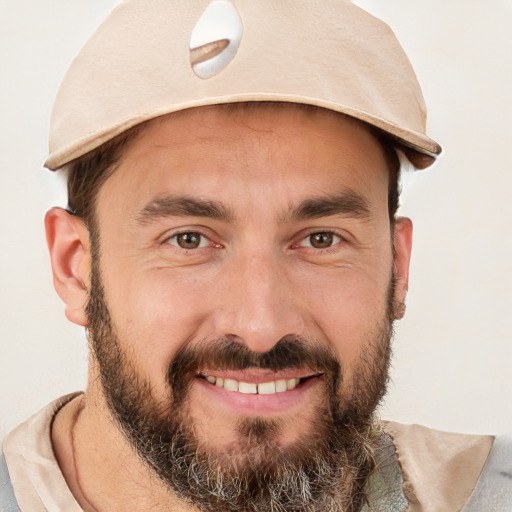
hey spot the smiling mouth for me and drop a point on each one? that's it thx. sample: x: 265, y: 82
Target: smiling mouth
x: 270, y: 387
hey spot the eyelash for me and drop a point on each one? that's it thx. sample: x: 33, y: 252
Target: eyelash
x: 338, y: 239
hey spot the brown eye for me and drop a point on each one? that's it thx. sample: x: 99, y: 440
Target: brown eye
x: 189, y: 240
x: 321, y: 240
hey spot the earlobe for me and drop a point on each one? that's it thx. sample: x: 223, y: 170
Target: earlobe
x: 68, y: 243
x: 403, y: 248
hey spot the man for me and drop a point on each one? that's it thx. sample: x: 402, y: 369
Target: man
x: 232, y: 247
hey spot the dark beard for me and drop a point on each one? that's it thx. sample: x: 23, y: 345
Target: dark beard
x: 326, y: 471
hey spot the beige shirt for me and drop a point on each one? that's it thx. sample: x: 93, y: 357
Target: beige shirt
x: 38, y: 483
x: 439, y: 469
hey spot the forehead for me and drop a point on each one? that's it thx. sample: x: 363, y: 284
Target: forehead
x: 276, y: 118
x: 262, y: 149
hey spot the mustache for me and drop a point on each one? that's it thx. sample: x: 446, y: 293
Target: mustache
x: 290, y: 352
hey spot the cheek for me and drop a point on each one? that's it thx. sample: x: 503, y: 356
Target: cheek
x: 345, y: 307
x: 155, y: 313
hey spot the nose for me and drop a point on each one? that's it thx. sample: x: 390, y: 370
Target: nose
x: 259, y: 306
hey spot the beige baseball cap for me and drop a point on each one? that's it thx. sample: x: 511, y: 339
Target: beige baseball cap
x: 154, y: 57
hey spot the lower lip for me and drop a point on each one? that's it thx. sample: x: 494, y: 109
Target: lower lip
x: 259, y: 405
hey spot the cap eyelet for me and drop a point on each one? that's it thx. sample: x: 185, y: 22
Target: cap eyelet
x: 215, y: 39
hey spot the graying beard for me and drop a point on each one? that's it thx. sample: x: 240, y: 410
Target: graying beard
x: 326, y: 483
x: 288, y: 490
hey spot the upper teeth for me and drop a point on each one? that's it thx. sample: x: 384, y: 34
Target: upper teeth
x: 263, y: 388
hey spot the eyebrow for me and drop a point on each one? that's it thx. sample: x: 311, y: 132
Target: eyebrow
x: 348, y: 203
x: 182, y: 206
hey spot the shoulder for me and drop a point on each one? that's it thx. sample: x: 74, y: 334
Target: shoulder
x: 440, y: 469
x: 31, y: 473
x: 8, y: 501
x: 493, y: 491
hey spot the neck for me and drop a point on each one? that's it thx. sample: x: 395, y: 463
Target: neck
x: 101, y: 470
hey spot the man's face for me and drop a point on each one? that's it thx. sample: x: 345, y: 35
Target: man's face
x: 245, y: 279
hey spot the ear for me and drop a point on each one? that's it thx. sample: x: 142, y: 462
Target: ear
x: 403, y: 248
x: 68, y: 242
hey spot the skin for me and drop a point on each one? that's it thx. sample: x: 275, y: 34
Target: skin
x: 255, y: 277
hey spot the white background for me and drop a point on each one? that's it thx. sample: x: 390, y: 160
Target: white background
x: 453, y: 351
